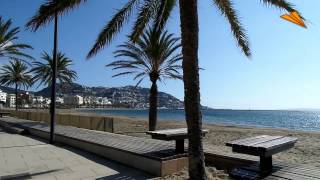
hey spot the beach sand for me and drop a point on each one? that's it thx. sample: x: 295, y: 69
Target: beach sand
x: 306, y: 150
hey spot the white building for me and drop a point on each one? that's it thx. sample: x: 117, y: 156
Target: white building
x: 103, y: 101
x: 73, y: 100
x: 11, y: 100
x: 88, y: 100
x: 3, y: 97
x: 59, y: 100
x: 37, y: 99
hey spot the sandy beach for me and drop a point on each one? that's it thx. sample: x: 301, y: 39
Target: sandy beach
x: 306, y: 150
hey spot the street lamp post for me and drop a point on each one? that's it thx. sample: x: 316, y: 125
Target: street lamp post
x: 54, y: 76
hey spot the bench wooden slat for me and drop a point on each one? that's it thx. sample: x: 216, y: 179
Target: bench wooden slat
x: 307, y: 170
x: 263, y: 140
x: 281, y: 171
x: 275, y: 143
x: 303, y: 170
x: 290, y: 175
x: 169, y: 132
x: 244, y: 174
x: 172, y: 134
x: 230, y: 143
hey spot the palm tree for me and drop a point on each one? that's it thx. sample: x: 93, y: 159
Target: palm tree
x: 43, y: 70
x: 153, y: 55
x: 16, y: 74
x: 9, y: 49
x: 157, y: 12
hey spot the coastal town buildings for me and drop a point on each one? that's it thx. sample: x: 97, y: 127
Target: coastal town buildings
x: 75, y: 100
x: 103, y: 101
x: 37, y: 101
x: 3, y: 98
x: 76, y: 95
x: 11, y: 100
x: 59, y: 100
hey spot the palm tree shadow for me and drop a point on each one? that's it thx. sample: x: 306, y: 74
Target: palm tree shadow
x: 120, y: 177
x: 123, y: 172
x: 22, y: 176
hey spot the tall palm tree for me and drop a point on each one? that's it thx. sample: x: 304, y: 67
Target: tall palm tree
x: 8, y: 47
x: 16, y: 74
x: 157, y: 12
x: 154, y: 55
x: 43, y: 70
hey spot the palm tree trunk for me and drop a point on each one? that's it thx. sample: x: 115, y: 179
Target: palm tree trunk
x: 153, y: 102
x: 189, y: 35
x: 54, y: 78
x: 16, y: 92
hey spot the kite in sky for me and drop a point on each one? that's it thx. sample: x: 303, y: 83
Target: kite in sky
x: 295, y: 18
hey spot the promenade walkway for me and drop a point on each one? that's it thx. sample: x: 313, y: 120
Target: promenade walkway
x: 23, y: 157
x: 159, y: 157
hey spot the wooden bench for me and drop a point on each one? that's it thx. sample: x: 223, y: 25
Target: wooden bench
x: 4, y: 114
x: 178, y: 135
x: 263, y: 146
x: 150, y: 155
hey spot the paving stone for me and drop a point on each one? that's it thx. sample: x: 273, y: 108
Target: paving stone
x: 21, y: 155
x: 104, y: 171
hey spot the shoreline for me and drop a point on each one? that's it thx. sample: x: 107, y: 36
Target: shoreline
x: 121, y: 117
x: 204, y: 123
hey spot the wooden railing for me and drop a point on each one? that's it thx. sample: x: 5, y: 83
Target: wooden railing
x: 99, y: 123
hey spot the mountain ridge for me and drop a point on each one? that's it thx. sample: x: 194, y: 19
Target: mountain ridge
x: 138, y: 95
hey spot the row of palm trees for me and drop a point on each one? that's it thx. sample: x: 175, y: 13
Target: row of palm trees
x: 154, y: 55
x: 19, y: 74
x: 155, y: 13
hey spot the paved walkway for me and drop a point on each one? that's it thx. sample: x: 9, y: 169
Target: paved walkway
x: 29, y: 158
x: 150, y: 148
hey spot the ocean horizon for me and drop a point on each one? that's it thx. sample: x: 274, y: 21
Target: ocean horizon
x: 303, y: 120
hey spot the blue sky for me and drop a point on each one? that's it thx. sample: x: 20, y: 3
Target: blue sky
x: 283, y: 73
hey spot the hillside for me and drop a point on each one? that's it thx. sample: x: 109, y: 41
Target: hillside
x: 138, y: 94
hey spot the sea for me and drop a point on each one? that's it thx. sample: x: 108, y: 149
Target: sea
x: 284, y: 119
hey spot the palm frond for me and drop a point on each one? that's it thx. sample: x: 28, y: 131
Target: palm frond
x: 154, y: 53
x: 47, y: 11
x: 163, y: 13
x: 43, y: 70
x: 112, y: 28
x: 282, y: 4
x: 145, y: 14
x: 226, y: 8
x: 16, y: 73
x: 8, y: 46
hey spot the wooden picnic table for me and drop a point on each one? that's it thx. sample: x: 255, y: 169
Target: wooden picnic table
x: 178, y: 135
x: 4, y: 114
x: 263, y: 146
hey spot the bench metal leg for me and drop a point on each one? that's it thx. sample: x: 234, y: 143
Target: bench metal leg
x: 265, y: 164
x: 180, y: 146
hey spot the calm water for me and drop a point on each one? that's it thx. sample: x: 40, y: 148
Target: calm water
x: 298, y: 120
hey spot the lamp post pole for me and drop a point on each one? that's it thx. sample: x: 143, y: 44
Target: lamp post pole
x: 54, y: 76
